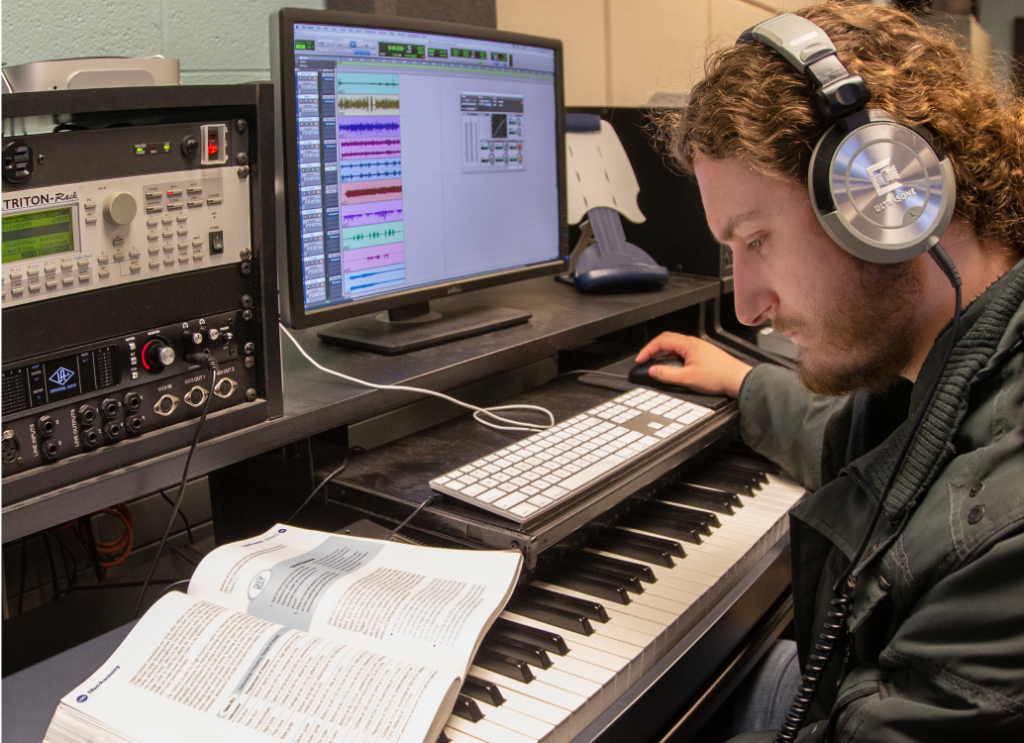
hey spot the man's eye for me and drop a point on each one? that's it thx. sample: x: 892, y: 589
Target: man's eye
x: 755, y: 244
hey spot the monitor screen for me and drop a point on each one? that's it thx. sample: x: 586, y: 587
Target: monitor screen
x: 417, y: 157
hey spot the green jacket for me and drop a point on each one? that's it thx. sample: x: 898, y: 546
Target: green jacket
x: 936, y: 651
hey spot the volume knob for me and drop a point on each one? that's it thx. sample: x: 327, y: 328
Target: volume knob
x: 156, y: 355
x: 120, y: 208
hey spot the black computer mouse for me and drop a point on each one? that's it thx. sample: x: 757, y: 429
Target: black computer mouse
x: 640, y: 374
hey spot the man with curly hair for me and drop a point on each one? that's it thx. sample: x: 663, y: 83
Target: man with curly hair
x: 933, y: 645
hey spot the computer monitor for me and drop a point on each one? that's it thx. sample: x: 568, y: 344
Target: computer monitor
x: 417, y: 160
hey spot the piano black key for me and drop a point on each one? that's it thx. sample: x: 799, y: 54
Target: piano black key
x: 718, y: 483
x: 550, y: 641
x: 704, y: 518
x: 591, y: 585
x: 623, y: 567
x: 641, y: 546
x: 680, y: 521
x: 711, y: 500
x: 534, y: 656
x: 725, y: 473
x: 758, y: 475
x: 670, y: 545
x: 655, y: 525
x: 590, y: 609
x: 550, y: 615
x: 629, y: 582
x: 466, y: 708
x: 486, y: 691
x: 506, y: 665
x: 442, y: 738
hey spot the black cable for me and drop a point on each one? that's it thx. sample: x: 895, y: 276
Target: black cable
x: 24, y: 563
x: 181, y: 512
x: 53, y: 565
x: 842, y: 593
x: 430, y: 499
x: 211, y: 364
x: 170, y: 587
x: 105, y: 585
x: 318, y: 488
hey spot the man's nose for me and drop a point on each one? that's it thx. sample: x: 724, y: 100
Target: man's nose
x: 755, y: 300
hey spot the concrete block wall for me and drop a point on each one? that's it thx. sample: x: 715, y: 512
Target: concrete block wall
x: 218, y: 42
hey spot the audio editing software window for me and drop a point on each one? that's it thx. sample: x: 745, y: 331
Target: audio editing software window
x: 422, y: 159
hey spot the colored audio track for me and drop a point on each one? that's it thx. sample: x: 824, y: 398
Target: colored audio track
x: 356, y: 84
x: 372, y: 213
x: 360, y: 151
x: 365, y: 259
x: 351, y: 105
x: 372, y: 191
x: 369, y: 170
x: 362, y: 126
x: 367, y: 237
x: 374, y: 280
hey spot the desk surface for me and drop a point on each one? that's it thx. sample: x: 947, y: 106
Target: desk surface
x: 315, y: 402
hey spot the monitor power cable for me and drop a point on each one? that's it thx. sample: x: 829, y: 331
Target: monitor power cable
x: 211, y: 363
x: 478, y: 413
x: 834, y: 627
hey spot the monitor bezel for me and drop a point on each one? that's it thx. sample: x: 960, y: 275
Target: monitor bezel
x: 293, y: 310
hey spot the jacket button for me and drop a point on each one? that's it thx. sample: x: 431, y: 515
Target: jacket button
x: 975, y: 514
x: 976, y: 488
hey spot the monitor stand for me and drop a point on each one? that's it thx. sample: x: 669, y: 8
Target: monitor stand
x: 416, y: 326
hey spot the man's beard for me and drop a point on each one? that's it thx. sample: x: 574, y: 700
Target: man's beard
x: 864, y: 335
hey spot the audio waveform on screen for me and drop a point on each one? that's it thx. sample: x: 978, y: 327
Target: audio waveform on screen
x: 375, y: 235
x: 388, y: 104
x: 371, y: 213
x: 366, y: 84
x: 371, y: 153
x: 371, y: 142
x: 360, y: 126
x: 366, y: 193
x: 353, y: 238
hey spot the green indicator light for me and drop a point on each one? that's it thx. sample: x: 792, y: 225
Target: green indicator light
x: 140, y: 149
x: 167, y: 146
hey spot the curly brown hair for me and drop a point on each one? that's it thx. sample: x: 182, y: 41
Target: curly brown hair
x: 755, y: 106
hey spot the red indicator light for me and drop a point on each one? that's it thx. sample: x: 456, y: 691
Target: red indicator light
x: 211, y: 145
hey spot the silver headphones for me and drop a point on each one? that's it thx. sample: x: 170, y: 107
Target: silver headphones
x: 879, y: 188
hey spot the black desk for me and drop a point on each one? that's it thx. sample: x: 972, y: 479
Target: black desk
x: 314, y: 402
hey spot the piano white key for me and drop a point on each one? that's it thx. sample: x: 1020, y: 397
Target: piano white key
x: 629, y: 658
x: 574, y: 665
x: 486, y: 731
x: 530, y: 716
x: 561, y: 689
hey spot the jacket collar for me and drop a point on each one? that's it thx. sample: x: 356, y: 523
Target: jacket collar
x: 989, y: 327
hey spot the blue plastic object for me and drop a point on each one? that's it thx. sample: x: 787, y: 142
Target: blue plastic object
x: 611, y: 263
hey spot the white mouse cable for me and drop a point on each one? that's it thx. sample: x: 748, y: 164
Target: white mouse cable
x: 477, y: 411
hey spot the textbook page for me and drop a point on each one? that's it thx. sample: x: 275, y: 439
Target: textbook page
x: 192, y: 670
x: 414, y: 602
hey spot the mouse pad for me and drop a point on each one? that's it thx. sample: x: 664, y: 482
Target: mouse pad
x: 624, y: 385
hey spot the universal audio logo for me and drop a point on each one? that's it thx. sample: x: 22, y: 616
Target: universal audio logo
x: 62, y: 376
x: 886, y: 178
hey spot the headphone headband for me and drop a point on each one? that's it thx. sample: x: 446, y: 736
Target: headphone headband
x: 809, y: 50
x: 878, y: 187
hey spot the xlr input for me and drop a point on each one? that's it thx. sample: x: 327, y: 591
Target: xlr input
x: 166, y: 405
x: 132, y: 402
x: 46, y: 426
x: 133, y: 424
x: 225, y: 387
x: 50, y: 449
x: 10, y: 447
x: 87, y: 415
x: 195, y: 396
x: 109, y: 408
x: 114, y: 431
x: 90, y: 438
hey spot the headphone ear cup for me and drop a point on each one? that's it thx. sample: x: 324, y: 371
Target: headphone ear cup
x: 879, y: 188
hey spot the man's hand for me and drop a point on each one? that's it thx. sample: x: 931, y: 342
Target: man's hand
x: 708, y: 369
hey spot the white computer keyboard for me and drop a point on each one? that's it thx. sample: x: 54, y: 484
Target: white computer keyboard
x: 523, y: 481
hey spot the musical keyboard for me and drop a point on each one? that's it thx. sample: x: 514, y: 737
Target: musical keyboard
x: 585, y: 630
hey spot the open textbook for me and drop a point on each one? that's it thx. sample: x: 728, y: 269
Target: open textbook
x: 298, y: 636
